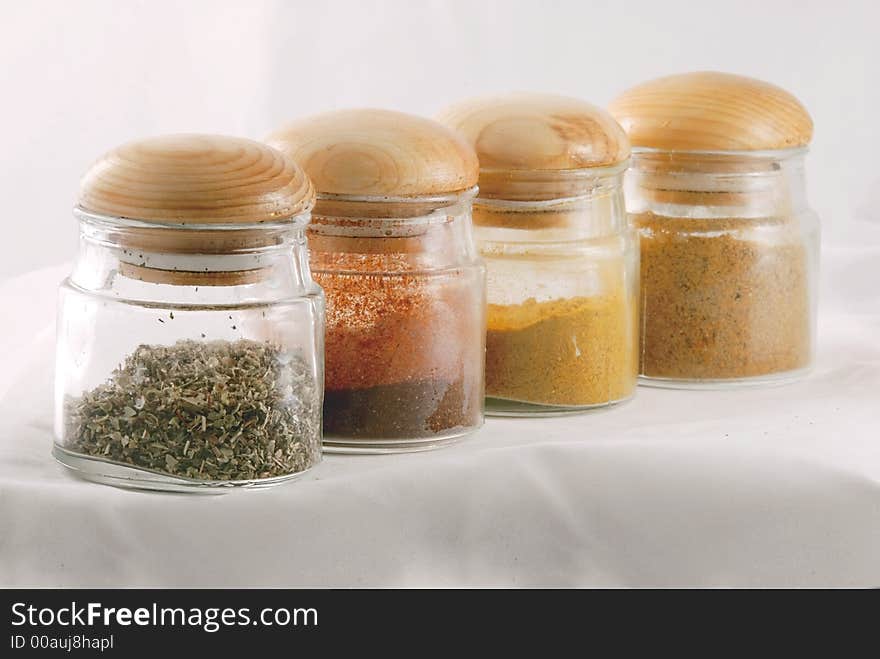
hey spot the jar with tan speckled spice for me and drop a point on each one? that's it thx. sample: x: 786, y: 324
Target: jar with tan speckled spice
x: 729, y: 246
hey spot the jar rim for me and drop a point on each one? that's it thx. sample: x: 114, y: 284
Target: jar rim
x: 527, y: 187
x: 441, y: 200
x: 561, y: 174
x: 528, y: 205
x: 765, y: 154
x: 297, y: 220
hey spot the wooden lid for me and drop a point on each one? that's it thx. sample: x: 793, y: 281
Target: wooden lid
x: 710, y: 111
x: 378, y: 153
x: 538, y: 132
x: 196, y: 179
x: 537, y: 146
x: 184, y: 185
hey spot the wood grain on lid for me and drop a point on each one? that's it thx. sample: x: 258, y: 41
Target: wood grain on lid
x: 196, y: 179
x: 708, y: 111
x: 378, y: 152
x: 525, y: 131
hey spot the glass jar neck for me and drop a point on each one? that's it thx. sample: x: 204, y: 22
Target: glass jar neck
x: 717, y: 184
x: 392, y: 233
x: 592, y: 206
x: 138, y: 260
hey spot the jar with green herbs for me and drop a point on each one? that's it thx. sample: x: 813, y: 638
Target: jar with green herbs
x: 190, y: 332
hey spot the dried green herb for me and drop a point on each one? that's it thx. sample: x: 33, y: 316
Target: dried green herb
x: 218, y: 410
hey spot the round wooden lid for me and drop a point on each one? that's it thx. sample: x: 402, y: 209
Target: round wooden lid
x: 196, y: 179
x: 378, y: 153
x: 538, y: 132
x: 708, y: 111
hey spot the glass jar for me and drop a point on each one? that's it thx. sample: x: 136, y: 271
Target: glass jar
x: 189, y: 343
x: 391, y: 243
x: 562, y: 261
x: 729, y: 246
x: 730, y: 254
x: 405, y: 322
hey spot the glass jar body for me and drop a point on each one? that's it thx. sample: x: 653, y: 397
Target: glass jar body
x: 176, y: 375
x: 729, y: 258
x: 404, y: 347
x: 562, y: 323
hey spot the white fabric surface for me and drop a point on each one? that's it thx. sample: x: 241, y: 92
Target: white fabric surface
x: 776, y: 486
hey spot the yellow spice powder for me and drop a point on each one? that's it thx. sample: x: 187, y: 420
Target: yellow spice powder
x: 575, y: 352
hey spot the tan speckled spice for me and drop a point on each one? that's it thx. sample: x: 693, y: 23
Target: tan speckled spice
x: 722, y: 298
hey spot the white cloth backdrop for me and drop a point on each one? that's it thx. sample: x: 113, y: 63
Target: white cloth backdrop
x: 78, y: 78
x: 773, y: 487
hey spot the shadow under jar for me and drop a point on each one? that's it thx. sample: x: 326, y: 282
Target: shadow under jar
x: 729, y: 246
x: 190, y: 331
x: 391, y: 244
x: 562, y: 261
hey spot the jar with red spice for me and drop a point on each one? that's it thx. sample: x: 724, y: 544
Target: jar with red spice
x: 391, y: 244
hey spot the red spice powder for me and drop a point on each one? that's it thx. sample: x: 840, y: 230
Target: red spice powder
x: 404, y: 347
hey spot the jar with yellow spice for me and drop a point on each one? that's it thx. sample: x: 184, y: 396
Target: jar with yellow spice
x: 562, y: 263
x: 729, y: 246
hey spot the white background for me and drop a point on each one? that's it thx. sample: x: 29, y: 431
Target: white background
x: 753, y: 487
x: 79, y: 77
